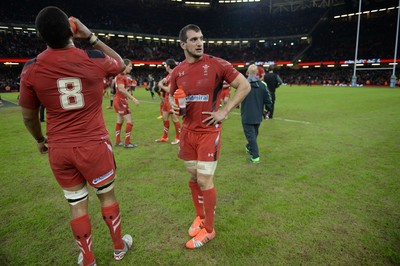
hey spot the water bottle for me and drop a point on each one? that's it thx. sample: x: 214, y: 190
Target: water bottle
x: 180, y: 100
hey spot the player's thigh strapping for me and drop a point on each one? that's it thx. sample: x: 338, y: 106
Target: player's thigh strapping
x: 93, y: 164
x: 200, y: 151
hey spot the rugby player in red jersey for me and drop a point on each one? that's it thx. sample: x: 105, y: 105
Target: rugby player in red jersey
x: 69, y: 83
x: 201, y: 76
x: 164, y: 85
x: 121, y: 107
x: 225, y: 95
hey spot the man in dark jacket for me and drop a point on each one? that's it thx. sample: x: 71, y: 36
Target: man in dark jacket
x: 273, y: 82
x: 252, y: 112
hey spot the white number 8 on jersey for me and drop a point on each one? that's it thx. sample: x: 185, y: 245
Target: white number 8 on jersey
x: 70, y: 93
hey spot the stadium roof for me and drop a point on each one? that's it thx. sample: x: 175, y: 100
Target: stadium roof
x: 280, y: 5
x: 274, y: 6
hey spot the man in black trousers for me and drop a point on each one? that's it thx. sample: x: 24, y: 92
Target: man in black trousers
x: 273, y: 82
x: 252, y: 112
x: 41, y: 113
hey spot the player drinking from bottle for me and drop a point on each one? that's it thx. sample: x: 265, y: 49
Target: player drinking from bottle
x: 69, y: 83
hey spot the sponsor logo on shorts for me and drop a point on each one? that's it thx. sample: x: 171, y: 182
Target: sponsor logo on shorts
x: 103, y: 177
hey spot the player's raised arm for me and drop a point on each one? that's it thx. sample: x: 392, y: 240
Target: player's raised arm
x: 82, y: 32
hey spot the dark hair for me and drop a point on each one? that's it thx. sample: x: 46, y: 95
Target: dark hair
x: 171, y: 63
x: 53, y: 27
x: 271, y: 68
x: 182, y: 33
x: 127, y: 62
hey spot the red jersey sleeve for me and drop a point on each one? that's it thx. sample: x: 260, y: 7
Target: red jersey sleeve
x: 27, y: 97
x: 229, y: 72
x: 109, y: 65
x: 167, y: 80
x: 122, y: 80
x: 172, y: 81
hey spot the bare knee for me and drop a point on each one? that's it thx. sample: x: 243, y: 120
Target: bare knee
x: 106, y: 194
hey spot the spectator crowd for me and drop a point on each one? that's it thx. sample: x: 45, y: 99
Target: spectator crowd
x: 329, y: 39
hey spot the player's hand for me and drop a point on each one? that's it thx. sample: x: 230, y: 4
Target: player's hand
x: 42, y: 147
x: 174, y: 108
x: 136, y: 101
x: 82, y: 32
x: 214, y: 117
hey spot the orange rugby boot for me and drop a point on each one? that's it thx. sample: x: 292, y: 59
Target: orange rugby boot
x: 196, y: 226
x: 162, y: 140
x: 200, y: 239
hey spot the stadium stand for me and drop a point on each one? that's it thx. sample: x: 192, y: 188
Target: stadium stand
x: 273, y: 36
x: 335, y: 39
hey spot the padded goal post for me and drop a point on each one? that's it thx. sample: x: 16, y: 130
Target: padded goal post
x: 393, y: 76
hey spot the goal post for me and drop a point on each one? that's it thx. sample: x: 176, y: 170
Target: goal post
x: 393, y: 76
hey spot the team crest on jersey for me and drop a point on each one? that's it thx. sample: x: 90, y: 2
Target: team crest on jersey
x: 180, y: 74
x: 205, y: 68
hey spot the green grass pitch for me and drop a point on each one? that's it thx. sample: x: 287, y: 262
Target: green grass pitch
x: 327, y: 190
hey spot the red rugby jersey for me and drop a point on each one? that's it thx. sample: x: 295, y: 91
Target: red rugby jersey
x: 122, y: 79
x: 166, y: 84
x: 69, y: 83
x: 202, y: 82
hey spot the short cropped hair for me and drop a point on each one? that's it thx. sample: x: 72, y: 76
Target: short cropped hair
x: 182, y: 33
x: 127, y: 62
x: 171, y: 63
x: 53, y: 27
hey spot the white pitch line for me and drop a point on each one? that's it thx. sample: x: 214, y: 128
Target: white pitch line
x: 283, y: 119
x: 293, y: 121
x: 10, y: 102
x: 235, y: 113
